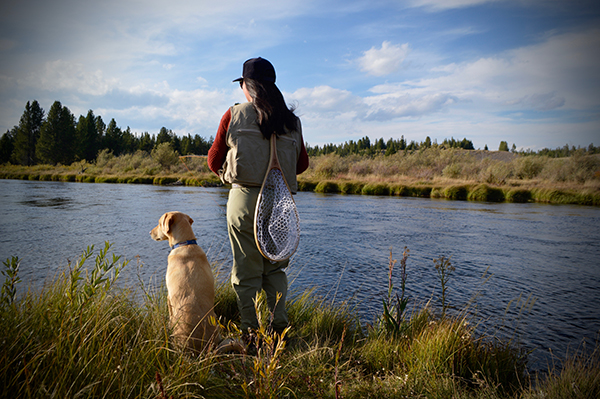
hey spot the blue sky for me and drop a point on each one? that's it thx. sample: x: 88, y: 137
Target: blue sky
x: 523, y: 71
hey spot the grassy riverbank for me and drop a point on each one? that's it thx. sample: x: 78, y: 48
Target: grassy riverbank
x: 81, y: 336
x: 431, y: 173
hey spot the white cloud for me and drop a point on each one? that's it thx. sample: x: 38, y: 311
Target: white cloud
x: 325, y: 100
x: 523, y: 87
x: 60, y: 75
x: 150, y: 65
x: 399, y: 105
x: 560, y: 72
x: 447, y: 4
x: 384, y: 61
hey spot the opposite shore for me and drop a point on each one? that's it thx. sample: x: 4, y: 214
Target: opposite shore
x: 445, y: 174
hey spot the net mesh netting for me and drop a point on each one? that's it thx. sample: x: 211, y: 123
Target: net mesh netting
x: 277, y: 223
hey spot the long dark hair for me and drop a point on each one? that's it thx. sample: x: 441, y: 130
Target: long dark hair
x: 273, y: 114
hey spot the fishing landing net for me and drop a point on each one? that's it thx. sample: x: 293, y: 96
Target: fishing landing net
x: 277, y: 225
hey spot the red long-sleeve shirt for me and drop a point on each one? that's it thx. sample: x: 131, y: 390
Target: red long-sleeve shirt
x: 218, y: 150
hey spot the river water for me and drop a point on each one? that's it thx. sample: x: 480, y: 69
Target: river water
x: 542, y: 260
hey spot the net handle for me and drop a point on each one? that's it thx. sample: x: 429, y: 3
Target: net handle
x: 273, y: 164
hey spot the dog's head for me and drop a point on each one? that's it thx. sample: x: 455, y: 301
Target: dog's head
x: 173, y: 226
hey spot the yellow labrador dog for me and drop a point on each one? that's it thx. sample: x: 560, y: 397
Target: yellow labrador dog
x: 190, y: 285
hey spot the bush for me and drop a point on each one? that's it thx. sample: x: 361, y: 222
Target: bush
x: 452, y: 171
x: 165, y: 155
x: 497, y: 173
x: 329, y: 166
x: 529, y: 167
x: 104, y: 159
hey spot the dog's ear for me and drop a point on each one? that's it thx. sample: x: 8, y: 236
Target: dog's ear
x: 167, y: 222
x: 191, y: 220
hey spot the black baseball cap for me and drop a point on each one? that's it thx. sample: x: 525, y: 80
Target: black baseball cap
x: 258, y: 69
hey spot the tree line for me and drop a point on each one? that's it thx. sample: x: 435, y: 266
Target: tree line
x: 365, y: 147
x: 58, y: 138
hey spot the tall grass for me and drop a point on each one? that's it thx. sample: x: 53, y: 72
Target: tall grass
x: 461, y: 175
x: 456, y: 164
x: 162, y: 167
x: 82, y: 336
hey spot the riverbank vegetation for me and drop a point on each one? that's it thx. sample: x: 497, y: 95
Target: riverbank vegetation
x: 435, y: 172
x: 83, y: 335
x: 57, y: 147
x: 459, y: 174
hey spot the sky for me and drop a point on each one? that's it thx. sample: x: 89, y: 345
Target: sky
x: 522, y: 71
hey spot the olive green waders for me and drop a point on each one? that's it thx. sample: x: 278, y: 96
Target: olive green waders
x: 252, y: 272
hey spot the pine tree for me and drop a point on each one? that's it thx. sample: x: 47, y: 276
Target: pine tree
x: 57, y: 136
x: 427, y: 143
x: 392, y: 147
x: 88, y: 139
x: 380, y: 146
x: 466, y: 144
x: 503, y: 146
x: 7, y: 145
x: 164, y: 136
x: 27, y: 134
x: 113, y: 138
x: 130, y: 143
x: 146, y: 142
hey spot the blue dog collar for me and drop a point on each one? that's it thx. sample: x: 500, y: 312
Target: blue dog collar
x: 183, y: 244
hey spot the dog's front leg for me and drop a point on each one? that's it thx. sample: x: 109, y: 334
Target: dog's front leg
x: 170, y: 307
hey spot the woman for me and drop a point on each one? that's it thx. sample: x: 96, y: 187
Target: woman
x: 240, y: 156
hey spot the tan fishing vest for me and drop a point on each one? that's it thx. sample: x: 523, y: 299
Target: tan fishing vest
x: 248, y: 155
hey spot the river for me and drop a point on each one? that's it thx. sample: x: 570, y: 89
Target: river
x: 546, y: 256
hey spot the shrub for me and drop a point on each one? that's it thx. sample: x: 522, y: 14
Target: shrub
x: 328, y: 166
x: 496, y: 173
x: 529, y: 167
x: 165, y: 155
x: 362, y: 167
x: 104, y: 159
x: 452, y: 171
